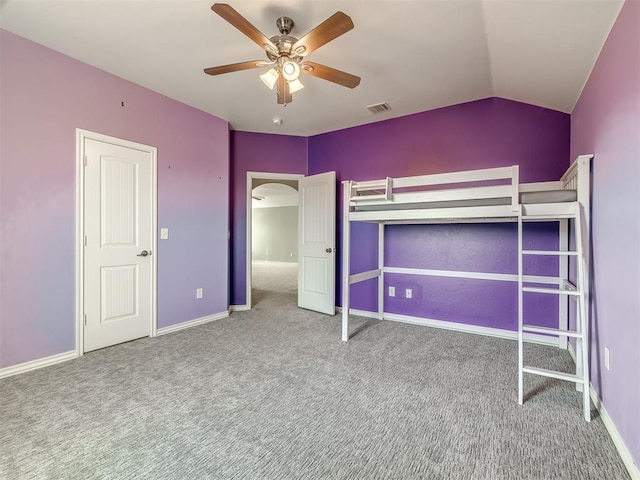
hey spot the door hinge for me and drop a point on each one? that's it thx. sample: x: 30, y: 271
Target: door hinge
x: 85, y: 240
x: 85, y: 161
x: 85, y: 318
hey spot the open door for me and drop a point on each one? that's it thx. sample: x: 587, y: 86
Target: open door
x: 316, y: 242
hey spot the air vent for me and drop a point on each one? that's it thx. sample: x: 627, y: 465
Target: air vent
x: 379, y: 108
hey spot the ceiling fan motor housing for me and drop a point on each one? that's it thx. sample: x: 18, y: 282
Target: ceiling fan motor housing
x: 284, y: 42
x: 285, y: 25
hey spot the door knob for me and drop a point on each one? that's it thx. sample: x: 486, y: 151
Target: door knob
x: 329, y: 250
x: 144, y: 253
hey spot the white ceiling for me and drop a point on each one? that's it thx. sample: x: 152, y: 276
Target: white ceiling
x: 415, y: 55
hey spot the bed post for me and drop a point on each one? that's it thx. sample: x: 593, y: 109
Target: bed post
x: 381, y: 268
x: 584, y: 201
x: 515, y: 186
x: 563, y: 276
x: 346, y: 250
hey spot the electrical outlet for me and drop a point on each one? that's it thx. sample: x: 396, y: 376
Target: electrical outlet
x: 392, y: 291
x: 607, y: 358
x: 164, y: 234
x: 408, y: 293
x: 198, y: 293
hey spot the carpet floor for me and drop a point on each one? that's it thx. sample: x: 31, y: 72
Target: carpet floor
x: 273, y: 393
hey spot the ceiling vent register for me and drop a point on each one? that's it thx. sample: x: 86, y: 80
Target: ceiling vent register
x: 379, y: 108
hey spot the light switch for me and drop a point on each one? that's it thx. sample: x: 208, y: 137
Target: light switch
x: 164, y: 233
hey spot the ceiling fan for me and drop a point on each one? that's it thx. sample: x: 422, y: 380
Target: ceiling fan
x: 286, y: 53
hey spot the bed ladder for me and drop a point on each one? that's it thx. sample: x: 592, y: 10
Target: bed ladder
x: 577, y: 292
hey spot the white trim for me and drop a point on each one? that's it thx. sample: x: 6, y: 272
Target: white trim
x: 239, y: 308
x: 248, y: 246
x: 191, y: 323
x: 36, y: 364
x: 81, y: 135
x: 458, y: 327
x: 623, y: 451
x: 361, y: 313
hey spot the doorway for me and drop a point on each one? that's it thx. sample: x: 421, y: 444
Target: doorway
x: 116, y: 225
x: 316, y: 237
x: 272, y: 232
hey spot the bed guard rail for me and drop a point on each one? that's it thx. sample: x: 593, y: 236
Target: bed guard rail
x: 420, y: 189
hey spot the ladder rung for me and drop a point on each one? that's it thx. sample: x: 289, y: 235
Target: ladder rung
x: 557, y: 291
x: 569, y: 377
x: 551, y: 331
x: 548, y: 252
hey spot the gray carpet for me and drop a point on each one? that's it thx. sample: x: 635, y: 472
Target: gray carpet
x: 274, y: 394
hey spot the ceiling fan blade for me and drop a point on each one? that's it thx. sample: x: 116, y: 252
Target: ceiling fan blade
x: 327, y: 73
x: 234, y: 18
x: 284, y: 95
x: 331, y: 28
x: 235, y: 67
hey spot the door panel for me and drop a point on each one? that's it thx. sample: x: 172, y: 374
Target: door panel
x: 118, y: 227
x: 316, y: 242
x: 119, y: 294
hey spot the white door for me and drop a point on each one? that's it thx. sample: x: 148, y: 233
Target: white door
x: 118, y: 223
x: 316, y: 242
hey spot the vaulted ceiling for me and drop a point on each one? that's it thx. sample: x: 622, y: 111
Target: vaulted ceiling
x: 414, y: 55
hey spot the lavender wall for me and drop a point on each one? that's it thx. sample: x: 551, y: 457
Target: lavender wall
x: 45, y: 96
x: 487, y: 133
x: 255, y: 152
x: 606, y: 121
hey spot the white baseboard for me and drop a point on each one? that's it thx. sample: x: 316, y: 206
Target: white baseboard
x: 192, y: 323
x: 63, y: 357
x: 623, y: 451
x: 459, y: 327
x: 360, y: 313
x: 239, y: 308
x: 36, y: 364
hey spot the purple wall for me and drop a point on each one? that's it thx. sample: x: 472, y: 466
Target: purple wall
x: 606, y: 121
x: 255, y: 152
x: 487, y: 133
x: 45, y: 96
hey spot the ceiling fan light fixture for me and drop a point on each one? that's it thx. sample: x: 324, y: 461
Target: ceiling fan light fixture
x: 295, y: 86
x: 286, y: 53
x: 270, y: 78
x: 290, y: 70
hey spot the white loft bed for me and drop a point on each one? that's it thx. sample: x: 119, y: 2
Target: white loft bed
x: 488, y: 195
